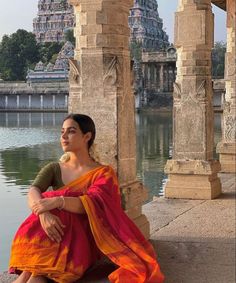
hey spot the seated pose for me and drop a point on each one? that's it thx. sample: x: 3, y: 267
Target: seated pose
x: 80, y: 220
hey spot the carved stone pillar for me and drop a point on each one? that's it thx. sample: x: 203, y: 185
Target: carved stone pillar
x: 100, y: 86
x: 192, y: 172
x: 227, y: 147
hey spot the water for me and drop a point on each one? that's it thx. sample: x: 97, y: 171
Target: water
x: 30, y: 140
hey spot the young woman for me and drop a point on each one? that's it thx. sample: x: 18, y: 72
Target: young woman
x: 79, y: 220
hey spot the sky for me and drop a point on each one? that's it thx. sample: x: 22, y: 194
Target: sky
x: 19, y: 14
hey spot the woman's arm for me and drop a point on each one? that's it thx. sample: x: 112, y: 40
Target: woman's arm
x: 70, y: 204
x: 34, y: 195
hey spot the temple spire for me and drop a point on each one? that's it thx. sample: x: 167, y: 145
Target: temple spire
x: 53, y: 19
x: 147, y: 27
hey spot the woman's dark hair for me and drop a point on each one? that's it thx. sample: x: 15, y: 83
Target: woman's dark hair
x: 86, y: 125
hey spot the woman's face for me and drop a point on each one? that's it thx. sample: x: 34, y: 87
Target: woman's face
x: 72, y: 138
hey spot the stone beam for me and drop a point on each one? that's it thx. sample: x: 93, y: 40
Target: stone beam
x: 100, y: 86
x: 227, y: 147
x: 192, y: 172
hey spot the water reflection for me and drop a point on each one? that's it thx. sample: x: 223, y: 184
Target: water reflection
x: 30, y: 119
x: 154, y: 146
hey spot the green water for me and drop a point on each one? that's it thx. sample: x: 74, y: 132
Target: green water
x: 30, y: 140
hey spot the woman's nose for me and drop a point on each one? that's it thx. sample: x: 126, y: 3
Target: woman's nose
x: 64, y: 135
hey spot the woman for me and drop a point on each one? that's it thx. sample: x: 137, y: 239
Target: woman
x: 73, y: 225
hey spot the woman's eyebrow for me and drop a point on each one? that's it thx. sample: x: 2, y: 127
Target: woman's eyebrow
x: 69, y: 128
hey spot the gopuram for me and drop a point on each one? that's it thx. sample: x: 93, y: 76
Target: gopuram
x: 53, y: 72
x: 53, y: 19
x: 154, y: 71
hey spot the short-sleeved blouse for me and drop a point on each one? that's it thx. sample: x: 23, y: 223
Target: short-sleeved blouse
x: 49, y: 176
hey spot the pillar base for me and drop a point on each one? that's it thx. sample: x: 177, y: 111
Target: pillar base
x: 133, y: 196
x: 227, y: 156
x: 192, y: 179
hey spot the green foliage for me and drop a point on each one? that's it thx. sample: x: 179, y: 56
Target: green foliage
x: 48, y: 50
x: 218, y: 59
x: 63, y: 4
x: 17, y: 52
x: 136, y: 51
x: 69, y: 36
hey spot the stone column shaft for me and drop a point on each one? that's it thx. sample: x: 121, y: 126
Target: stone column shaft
x: 227, y: 147
x: 6, y: 101
x: 30, y: 101
x: 41, y: 101
x: 161, y: 77
x: 100, y: 86
x: 192, y: 171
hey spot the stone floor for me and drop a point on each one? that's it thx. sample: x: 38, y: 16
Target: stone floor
x: 194, y: 239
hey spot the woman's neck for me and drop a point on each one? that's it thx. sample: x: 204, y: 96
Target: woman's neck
x: 80, y: 160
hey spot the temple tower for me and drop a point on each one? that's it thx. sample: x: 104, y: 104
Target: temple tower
x: 147, y: 27
x: 100, y: 86
x: 53, y: 19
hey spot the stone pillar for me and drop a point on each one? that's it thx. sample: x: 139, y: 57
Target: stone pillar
x: 192, y: 172
x: 161, y: 80
x: 53, y: 102
x: 17, y: 101
x: 41, y: 101
x: 6, y: 101
x: 30, y: 101
x: 66, y: 101
x: 100, y: 86
x: 227, y: 147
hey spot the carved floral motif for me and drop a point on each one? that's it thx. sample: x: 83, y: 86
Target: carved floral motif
x: 110, y: 76
x: 74, y: 75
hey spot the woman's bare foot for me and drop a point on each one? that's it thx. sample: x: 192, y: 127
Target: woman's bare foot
x: 23, y: 278
x: 37, y: 279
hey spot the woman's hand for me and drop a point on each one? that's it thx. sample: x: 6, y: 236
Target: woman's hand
x: 45, y: 204
x: 52, y: 226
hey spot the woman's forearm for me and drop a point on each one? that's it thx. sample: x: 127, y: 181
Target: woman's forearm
x: 34, y: 195
x: 70, y: 204
x: 73, y: 204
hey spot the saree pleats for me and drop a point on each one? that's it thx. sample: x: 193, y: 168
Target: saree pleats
x: 105, y: 228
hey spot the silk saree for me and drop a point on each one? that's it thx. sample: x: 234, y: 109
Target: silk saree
x: 105, y: 229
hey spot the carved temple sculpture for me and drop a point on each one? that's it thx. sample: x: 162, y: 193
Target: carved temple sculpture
x: 193, y: 172
x: 100, y: 86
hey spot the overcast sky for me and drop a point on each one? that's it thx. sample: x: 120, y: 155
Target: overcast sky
x: 17, y: 14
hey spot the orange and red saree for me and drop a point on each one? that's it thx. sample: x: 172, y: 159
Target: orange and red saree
x: 104, y: 228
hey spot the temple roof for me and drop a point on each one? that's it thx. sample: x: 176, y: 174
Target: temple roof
x: 220, y: 3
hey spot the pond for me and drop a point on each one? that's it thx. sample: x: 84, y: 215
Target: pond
x: 30, y: 140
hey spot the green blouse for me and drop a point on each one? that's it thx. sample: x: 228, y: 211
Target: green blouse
x: 49, y: 176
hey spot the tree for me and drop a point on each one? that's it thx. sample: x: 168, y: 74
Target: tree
x: 69, y: 36
x: 17, y: 52
x: 218, y: 59
x: 136, y: 51
x: 48, y: 50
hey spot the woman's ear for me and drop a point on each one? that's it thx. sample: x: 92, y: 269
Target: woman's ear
x: 87, y: 137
